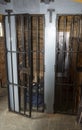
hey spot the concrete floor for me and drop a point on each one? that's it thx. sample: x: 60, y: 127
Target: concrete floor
x: 39, y: 121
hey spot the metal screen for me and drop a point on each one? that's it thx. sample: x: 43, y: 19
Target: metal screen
x: 68, y: 63
x: 26, y: 67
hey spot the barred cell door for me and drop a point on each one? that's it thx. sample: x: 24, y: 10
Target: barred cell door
x: 25, y: 61
x: 68, y: 79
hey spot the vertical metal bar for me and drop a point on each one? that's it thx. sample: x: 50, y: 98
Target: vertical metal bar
x: 25, y: 90
x: 76, y: 54
x: 27, y: 57
x: 64, y: 43
x: 37, y: 56
x: 30, y: 62
x: 26, y: 75
x: 56, y: 66
x: 31, y: 45
x: 18, y: 43
x: 62, y: 98
x: 80, y: 26
x: 38, y: 50
x: 29, y: 38
x: 57, y: 44
x: 71, y: 40
x: 74, y: 79
x: 23, y: 57
x: 78, y: 41
x: 17, y: 54
x: 16, y: 24
x: 43, y: 29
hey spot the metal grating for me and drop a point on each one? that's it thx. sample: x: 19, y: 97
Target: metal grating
x: 68, y: 63
x: 30, y: 64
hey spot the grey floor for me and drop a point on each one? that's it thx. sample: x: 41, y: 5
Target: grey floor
x: 39, y: 121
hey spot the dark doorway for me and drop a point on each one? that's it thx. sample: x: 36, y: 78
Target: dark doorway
x: 68, y: 63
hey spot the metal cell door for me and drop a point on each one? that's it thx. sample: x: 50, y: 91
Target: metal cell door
x: 25, y: 61
x: 68, y: 63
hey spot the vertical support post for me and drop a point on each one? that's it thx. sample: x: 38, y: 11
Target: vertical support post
x: 49, y: 75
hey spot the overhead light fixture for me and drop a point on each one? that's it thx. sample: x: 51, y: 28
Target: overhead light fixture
x: 47, y: 1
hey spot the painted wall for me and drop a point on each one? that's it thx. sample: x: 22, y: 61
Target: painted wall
x: 4, y: 6
x: 34, y: 6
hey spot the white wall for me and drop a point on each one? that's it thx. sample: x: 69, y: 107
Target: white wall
x: 4, y: 6
x: 34, y: 6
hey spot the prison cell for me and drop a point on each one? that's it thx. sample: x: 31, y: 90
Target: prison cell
x: 68, y: 63
x: 25, y: 59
